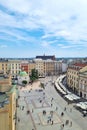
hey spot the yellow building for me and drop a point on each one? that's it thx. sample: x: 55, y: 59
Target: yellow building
x: 39, y: 65
x: 5, y: 82
x: 83, y: 82
x: 7, y: 103
x: 50, y: 67
x: 44, y: 67
x: 14, y: 67
x: 31, y: 66
x: 4, y: 115
x: 12, y: 107
x: 4, y: 66
x: 73, y: 77
x: 53, y: 67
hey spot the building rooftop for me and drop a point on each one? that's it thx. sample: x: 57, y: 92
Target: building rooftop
x: 12, y: 89
x: 23, y: 73
x: 77, y: 66
x: 5, y: 82
x: 83, y: 74
x: 4, y: 96
x: 44, y: 57
x: 80, y: 64
x: 3, y: 99
x: 2, y: 77
x: 3, y: 60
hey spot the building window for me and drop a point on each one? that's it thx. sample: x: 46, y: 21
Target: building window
x: 2, y: 64
x: 84, y: 88
x: 84, y: 95
x: 81, y: 86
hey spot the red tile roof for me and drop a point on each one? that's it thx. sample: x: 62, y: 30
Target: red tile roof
x: 77, y: 66
x: 80, y: 64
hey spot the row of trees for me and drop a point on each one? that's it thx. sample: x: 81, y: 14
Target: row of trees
x: 34, y: 75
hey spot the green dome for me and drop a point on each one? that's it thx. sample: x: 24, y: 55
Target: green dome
x: 23, y: 73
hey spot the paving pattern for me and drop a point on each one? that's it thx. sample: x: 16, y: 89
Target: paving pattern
x: 47, y: 119
x: 43, y: 111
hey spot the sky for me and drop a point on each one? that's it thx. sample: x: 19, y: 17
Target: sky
x: 37, y: 27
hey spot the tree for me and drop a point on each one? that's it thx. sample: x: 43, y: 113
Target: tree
x: 24, y: 82
x: 34, y: 75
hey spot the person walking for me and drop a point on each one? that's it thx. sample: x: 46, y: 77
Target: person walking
x: 52, y: 123
x: 70, y: 109
x: 32, y: 110
x: 71, y: 124
x: 65, y: 109
x: 18, y: 119
x: 51, y: 104
x: 56, y: 108
x: 62, y: 114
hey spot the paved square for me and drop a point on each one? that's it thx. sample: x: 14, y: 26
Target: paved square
x: 40, y: 108
x: 48, y: 118
x: 39, y: 103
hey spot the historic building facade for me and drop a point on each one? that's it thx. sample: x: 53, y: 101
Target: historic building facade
x: 14, y: 66
x: 40, y: 66
x: 4, y: 66
x: 73, y: 76
x: 31, y: 66
x: 44, y: 66
x: 7, y: 103
x: 83, y: 82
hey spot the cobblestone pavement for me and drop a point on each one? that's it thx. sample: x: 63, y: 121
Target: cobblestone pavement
x: 45, y: 110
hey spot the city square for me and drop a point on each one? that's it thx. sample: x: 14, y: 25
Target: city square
x: 44, y: 110
x: 43, y: 65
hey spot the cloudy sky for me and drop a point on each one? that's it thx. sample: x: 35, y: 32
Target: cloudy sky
x: 36, y: 27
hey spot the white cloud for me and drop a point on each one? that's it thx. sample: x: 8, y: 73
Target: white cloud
x: 3, y: 46
x: 72, y: 45
x: 45, y: 44
x: 16, y: 35
x: 65, y: 18
x: 20, y: 6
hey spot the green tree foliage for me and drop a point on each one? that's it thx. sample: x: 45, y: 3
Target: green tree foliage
x: 34, y: 75
x: 24, y: 82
